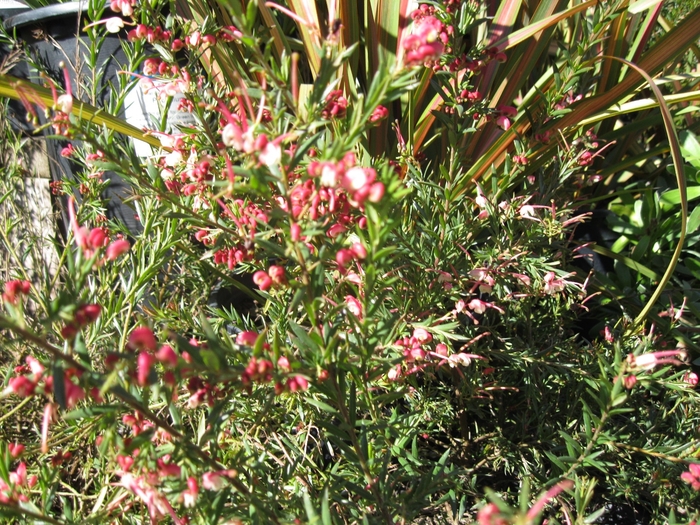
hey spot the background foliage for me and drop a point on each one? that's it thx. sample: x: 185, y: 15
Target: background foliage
x: 366, y: 290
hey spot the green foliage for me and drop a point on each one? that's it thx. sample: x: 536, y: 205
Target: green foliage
x: 360, y: 293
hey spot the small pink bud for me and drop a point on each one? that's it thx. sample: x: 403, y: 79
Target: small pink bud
x: 283, y: 363
x: 297, y: 383
x: 376, y: 192
x: 359, y: 250
x: 344, y: 257
x: 167, y: 356
x: 295, y: 232
x: 15, y: 450
x: 177, y: 45
x: 88, y: 313
x: 145, y: 361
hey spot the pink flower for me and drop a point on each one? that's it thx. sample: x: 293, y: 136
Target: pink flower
x: 278, y: 275
x: 553, y: 285
x: 189, y: 496
x: 344, y: 257
x: 117, y: 248
x: 379, y: 113
x: 503, y: 122
x: 19, y: 476
x: 394, y: 373
x: 376, y: 192
x: 73, y: 393
x: 477, y: 306
x: 426, y: 43
x: 247, y: 338
x: 354, y: 306
x: 297, y: 383
x: 283, y: 363
x: 97, y: 238
x: 629, y: 381
x: 213, y: 480
x: 359, y: 250
x: 165, y: 468
x: 67, y: 151
x: 336, y: 105
x: 490, y: 515
x: 156, y: 503
x: 355, y: 179
x: 422, y: 335
x: 142, y: 338
x: 21, y: 386
x: 65, y: 103
x: 262, y: 279
x: 653, y: 359
x: 692, y: 476
x: 691, y: 378
x: 167, y: 355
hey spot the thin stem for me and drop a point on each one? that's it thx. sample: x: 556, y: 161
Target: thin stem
x: 360, y: 456
x: 18, y: 407
x: 20, y: 511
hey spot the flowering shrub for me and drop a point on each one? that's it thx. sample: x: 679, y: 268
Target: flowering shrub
x: 356, y: 297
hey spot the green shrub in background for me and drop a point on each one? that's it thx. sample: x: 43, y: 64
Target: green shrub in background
x: 364, y: 292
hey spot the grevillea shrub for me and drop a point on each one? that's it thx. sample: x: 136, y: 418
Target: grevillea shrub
x: 363, y: 292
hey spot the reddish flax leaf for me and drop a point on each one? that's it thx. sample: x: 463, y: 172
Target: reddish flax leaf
x: 660, y: 55
x: 512, y: 75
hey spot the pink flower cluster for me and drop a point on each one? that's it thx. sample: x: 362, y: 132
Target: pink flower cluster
x: 30, y: 380
x: 359, y: 183
x: 275, y: 276
x: 91, y: 241
x: 14, y: 290
x: 12, y: 493
x: 143, y: 340
x: 125, y: 7
x: 261, y: 370
x: 85, y: 315
x: 336, y: 105
x: 692, y: 476
x: 418, y: 356
x: 345, y: 256
x: 427, y: 42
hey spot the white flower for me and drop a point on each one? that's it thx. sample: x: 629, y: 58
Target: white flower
x: 65, y: 103
x: 114, y: 24
x: 271, y: 155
